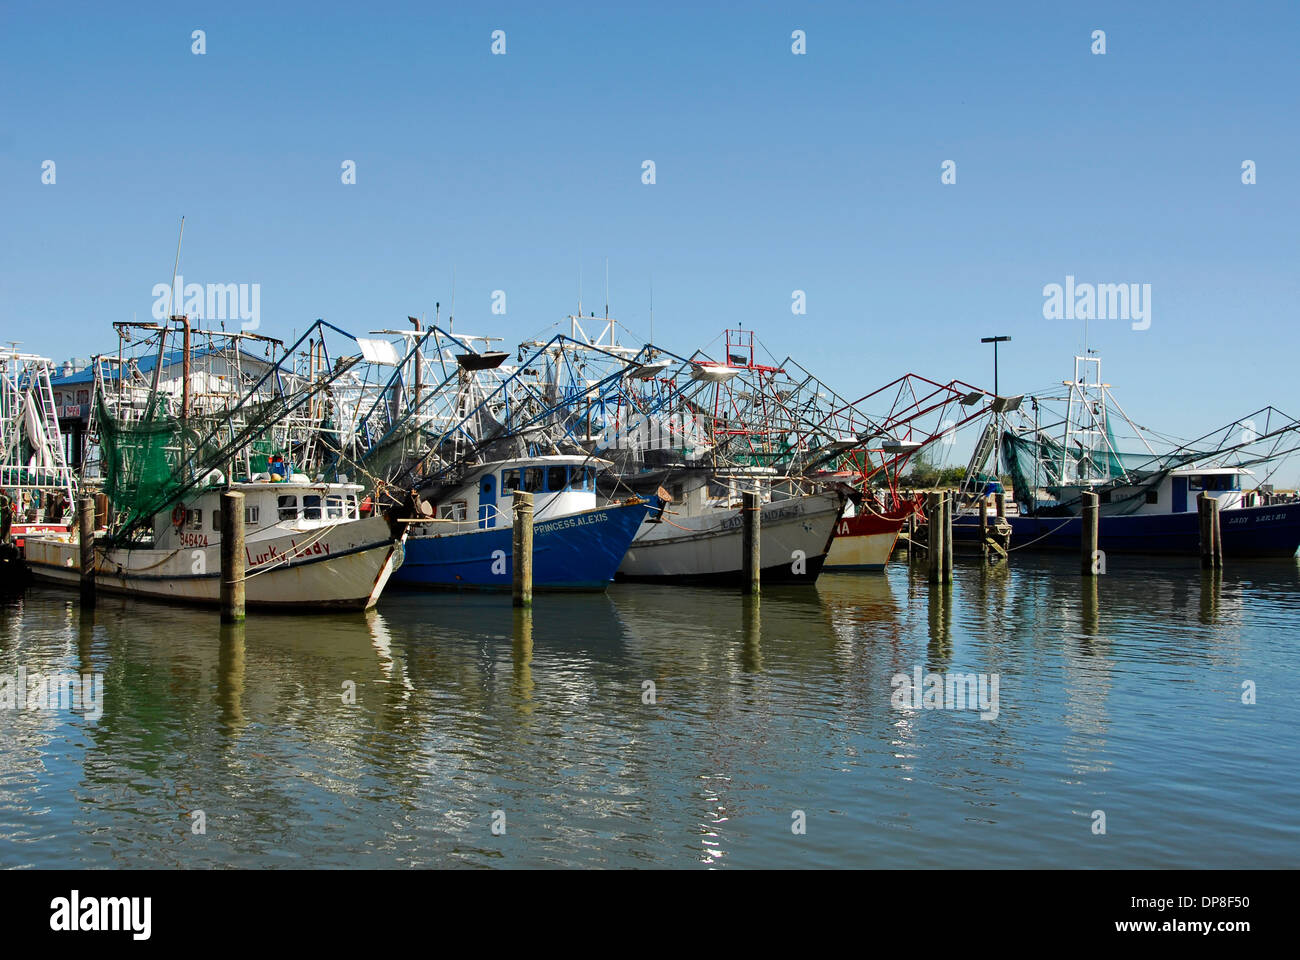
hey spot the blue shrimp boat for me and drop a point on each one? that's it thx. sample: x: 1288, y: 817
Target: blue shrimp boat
x: 1146, y: 500
x: 467, y: 543
x: 1165, y: 520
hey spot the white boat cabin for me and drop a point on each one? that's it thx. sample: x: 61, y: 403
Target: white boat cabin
x: 560, y: 485
x: 1176, y: 493
x: 270, y: 508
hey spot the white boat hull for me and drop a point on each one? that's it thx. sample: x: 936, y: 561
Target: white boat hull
x: 343, y: 565
x: 794, y: 537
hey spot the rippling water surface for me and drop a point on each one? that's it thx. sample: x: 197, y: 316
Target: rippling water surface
x: 1123, y: 695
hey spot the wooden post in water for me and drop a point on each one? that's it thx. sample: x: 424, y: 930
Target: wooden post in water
x: 984, y: 526
x: 1000, y: 500
x: 1207, y: 508
x: 523, y: 550
x: 1090, y: 530
x: 1216, y: 531
x: 948, y: 499
x: 86, y: 532
x: 232, y: 557
x: 934, y: 536
x: 751, y: 558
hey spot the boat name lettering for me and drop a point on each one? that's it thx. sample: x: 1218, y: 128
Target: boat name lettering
x: 564, y: 523
x: 781, y: 513
x: 295, y: 552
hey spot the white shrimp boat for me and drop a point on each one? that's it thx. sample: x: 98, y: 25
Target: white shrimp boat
x: 306, y: 545
x: 705, y: 545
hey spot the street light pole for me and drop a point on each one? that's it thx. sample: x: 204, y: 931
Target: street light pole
x: 997, y: 439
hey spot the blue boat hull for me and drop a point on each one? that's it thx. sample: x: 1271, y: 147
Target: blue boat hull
x: 580, y: 551
x: 1248, y: 532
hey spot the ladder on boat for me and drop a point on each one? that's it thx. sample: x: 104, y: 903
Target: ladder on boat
x: 983, y: 449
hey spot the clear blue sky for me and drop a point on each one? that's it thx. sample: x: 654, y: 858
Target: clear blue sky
x: 775, y: 172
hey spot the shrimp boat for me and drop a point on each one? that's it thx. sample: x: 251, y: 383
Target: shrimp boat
x: 36, y: 482
x: 865, y: 537
x: 171, y: 430
x: 467, y: 541
x: 1146, y: 499
x: 699, y: 539
x: 306, y: 546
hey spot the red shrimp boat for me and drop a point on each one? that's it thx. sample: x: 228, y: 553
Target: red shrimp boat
x: 864, y: 540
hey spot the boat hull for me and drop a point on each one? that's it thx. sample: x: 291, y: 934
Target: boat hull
x: 579, y: 551
x: 794, y: 538
x: 1271, y: 532
x: 343, y: 566
x: 863, y: 542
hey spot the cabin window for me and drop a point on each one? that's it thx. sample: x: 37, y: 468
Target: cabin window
x: 334, y: 508
x: 1104, y: 497
x: 532, y: 479
x: 216, y: 520
x: 352, y: 506
x: 509, y: 479
x: 455, y: 510
x: 557, y: 478
x: 1194, y: 483
x: 288, y: 508
x: 311, y: 507
x: 675, y: 491
x: 193, y: 519
x: 252, y: 516
x: 1153, y: 496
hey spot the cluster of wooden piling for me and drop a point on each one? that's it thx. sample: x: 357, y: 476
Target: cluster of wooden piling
x: 937, y: 544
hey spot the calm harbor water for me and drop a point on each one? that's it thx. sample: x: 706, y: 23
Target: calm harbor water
x: 1123, y: 696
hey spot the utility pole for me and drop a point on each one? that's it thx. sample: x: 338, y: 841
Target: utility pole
x: 997, y: 440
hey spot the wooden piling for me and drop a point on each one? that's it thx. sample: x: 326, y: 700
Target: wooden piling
x: 86, y: 532
x: 232, y: 557
x: 522, y: 585
x: 984, y: 526
x: 934, y: 546
x: 751, y: 559
x: 1000, y: 504
x: 1207, y: 508
x: 949, y: 499
x: 1090, y: 531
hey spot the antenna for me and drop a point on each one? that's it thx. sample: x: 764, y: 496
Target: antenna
x: 607, y: 288
x: 579, y: 289
x: 652, y: 308
x: 451, y: 314
x: 171, y: 291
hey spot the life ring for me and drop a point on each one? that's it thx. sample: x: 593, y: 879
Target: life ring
x: 178, y: 516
